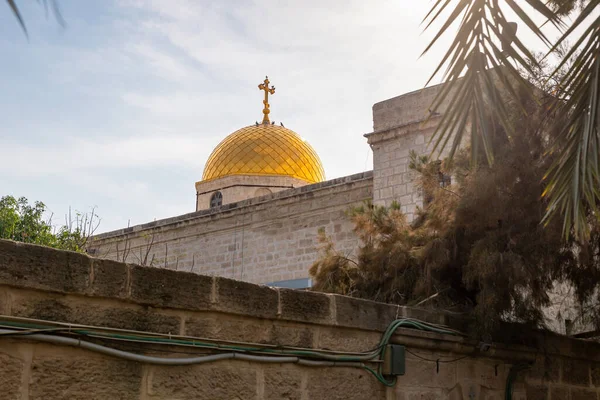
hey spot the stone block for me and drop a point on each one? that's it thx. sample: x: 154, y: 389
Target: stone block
x: 423, y: 394
x: 343, y: 384
x: 364, y: 314
x: 351, y: 340
x: 582, y: 394
x: 559, y: 393
x: 39, y: 267
x: 11, y: 369
x: 546, y: 369
x: 576, y: 372
x: 305, y: 306
x: 228, y: 328
x: 249, y: 330
x: 246, y: 298
x: 595, y: 372
x: 109, y: 278
x: 536, y: 392
x: 486, y: 374
x: 282, y: 382
x: 431, y: 316
x: 225, y: 380
x: 421, y: 373
x: 170, y: 289
x: 487, y: 394
x: 64, y: 309
x: 84, y: 377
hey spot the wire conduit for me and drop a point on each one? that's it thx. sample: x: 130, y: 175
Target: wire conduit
x: 62, y: 334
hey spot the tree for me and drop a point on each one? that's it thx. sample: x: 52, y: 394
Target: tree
x: 486, y: 47
x: 478, y: 243
x: 23, y: 222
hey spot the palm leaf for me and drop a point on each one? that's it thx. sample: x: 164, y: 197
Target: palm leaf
x: 470, y: 58
x: 53, y: 4
x: 15, y: 10
x: 573, y: 181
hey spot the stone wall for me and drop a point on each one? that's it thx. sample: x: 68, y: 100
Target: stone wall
x: 401, y: 125
x: 236, y: 188
x: 262, y: 240
x: 53, y: 286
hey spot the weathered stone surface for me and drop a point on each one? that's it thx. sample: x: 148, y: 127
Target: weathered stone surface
x: 536, y: 392
x: 559, y: 393
x: 345, y: 339
x: 282, y: 382
x: 228, y: 328
x: 487, y: 374
x: 305, y: 306
x: 109, y: 278
x: 85, y: 377
x: 595, y: 372
x: 249, y: 330
x: 291, y: 335
x: 65, y: 309
x: 422, y: 373
x: 11, y: 370
x: 358, y: 313
x: 343, y: 384
x: 245, y: 298
x: 430, y: 316
x: 491, y: 394
x: 546, y: 369
x: 576, y: 372
x: 420, y: 394
x: 39, y: 267
x: 582, y: 394
x: 234, y: 381
x: 172, y: 289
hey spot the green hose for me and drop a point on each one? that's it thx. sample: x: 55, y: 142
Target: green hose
x: 375, y: 355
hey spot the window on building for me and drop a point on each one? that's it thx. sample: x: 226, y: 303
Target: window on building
x: 216, y: 199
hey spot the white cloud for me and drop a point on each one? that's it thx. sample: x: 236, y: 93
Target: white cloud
x: 161, y: 86
x: 84, y: 154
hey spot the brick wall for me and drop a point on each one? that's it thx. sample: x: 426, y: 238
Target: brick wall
x: 50, y: 285
x: 261, y: 240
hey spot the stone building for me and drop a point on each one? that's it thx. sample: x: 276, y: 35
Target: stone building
x: 263, y: 197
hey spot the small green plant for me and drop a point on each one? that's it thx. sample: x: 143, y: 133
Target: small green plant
x: 24, y: 222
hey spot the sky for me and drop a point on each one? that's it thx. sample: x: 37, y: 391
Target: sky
x: 120, y: 109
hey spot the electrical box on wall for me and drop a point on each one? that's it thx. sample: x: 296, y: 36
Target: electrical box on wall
x: 394, y: 362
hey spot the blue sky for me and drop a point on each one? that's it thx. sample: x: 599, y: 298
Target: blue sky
x: 121, y: 109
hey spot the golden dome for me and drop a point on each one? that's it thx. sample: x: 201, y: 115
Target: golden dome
x: 264, y: 149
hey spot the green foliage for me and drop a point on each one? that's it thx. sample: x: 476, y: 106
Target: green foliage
x: 479, y: 244
x: 23, y: 222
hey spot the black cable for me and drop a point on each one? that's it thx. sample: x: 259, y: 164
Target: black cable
x: 437, y: 360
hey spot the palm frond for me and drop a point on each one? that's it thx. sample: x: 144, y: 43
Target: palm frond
x: 573, y: 181
x: 48, y: 4
x: 480, y: 67
x: 15, y: 10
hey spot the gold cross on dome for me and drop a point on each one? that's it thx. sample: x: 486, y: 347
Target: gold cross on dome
x: 265, y: 86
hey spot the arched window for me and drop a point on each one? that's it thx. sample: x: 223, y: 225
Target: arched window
x: 216, y: 199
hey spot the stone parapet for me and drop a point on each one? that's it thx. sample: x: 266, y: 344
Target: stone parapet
x: 48, y: 286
